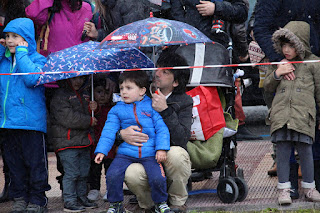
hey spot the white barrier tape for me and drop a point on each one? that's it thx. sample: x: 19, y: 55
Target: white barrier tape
x: 166, y: 68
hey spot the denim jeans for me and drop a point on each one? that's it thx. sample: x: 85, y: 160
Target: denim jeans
x: 76, y: 166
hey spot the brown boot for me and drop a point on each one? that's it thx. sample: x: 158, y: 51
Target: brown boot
x: 273, y: 171
x: 312, y: 194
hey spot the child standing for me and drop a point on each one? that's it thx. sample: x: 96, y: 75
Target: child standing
x: 23, y: 117
x: 103, y: 97
x: 135, y: 109
x: 71, y: 136
x: 293, y: 111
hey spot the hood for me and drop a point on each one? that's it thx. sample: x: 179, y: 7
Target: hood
x: 25, y: 28
x: 298, y: 33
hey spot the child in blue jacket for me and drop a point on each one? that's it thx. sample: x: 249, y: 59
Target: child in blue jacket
x: 135, y: 109
x: 23, y: 117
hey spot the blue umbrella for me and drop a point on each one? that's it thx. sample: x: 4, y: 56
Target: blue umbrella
x: 84, y: 58
x: 152, y: 32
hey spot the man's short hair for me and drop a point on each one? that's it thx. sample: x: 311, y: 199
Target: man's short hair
x: 168, y: 58
x: 140, y: 78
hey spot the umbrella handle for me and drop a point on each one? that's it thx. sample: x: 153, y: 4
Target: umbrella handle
x: 92, y: 94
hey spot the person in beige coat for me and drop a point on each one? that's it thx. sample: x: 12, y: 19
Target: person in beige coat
x: 293, y: 111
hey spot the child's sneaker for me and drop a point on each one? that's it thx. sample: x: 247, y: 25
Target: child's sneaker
x: 84, y: 201
x: 19, y: 205
x: 34, y: 208
x: 116, y: 208
x: 73, y: 207
x: 93, y: 195
x: 284, y: 197
x: 312, y: 195
x: 162, y: 208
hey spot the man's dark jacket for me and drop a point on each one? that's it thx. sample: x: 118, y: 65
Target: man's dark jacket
x: 270, y: 15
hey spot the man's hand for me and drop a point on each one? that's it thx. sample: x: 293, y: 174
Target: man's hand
x: 23, y: 43
x: 99, y: 157
x: 92, y: 32
x: 161, y: 156
x: 159, y: 101
x: 206, y: 8
x: 133, y: 136
x: 289, y: 75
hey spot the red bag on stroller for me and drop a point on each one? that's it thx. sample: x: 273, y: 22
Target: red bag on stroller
x: 207, y: 113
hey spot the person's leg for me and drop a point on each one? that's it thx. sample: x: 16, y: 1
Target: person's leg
x: 178, y: 170
x: 283, y: 169
x: 316, y: 157
x: 69, y: 160
x: 115, y: 177
x: 94, y: 175
x: 293, y: 176
x: 156, y: 179
x: 84, y: 168
x: 4, y: 196
x: 61, y: 171
x: 137, y: 181
x: 13, y: 156
x: 306, y: 161
x: 36, y: 162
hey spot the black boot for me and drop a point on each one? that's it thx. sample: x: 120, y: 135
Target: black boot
x: 293, y: 178
x: 316, y: 164
x: 4, y: 196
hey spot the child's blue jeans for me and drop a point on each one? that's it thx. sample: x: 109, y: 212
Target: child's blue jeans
x: 156, y: 178
x: 76, y: 166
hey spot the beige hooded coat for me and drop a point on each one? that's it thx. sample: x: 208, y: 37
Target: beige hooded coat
x: 295, y: 100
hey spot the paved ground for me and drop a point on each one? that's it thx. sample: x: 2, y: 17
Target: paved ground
x: 253, y: 157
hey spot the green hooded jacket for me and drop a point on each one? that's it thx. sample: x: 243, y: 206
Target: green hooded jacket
x: 294, y: 103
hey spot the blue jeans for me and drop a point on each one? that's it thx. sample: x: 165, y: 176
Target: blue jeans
x: 76, y: 166
x: 156, y: 178
x: 26, y: 156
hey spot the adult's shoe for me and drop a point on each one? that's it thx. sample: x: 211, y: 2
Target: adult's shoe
x: 34, y: 208
x: 84, y: 201
x: 19, y: 205
x: 178, y: 209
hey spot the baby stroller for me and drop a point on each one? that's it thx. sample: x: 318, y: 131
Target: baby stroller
x: 231, y: 187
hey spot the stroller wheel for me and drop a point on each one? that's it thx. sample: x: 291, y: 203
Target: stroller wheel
x: 227, y: 190
x: 243, y: 188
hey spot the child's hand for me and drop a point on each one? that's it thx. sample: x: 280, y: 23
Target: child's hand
x: 99, y: 157
x: 3, y: 42
x: 92, y: 32
x: 286, y: 70
x: 23, y: 43
x: 93, y: 105
x: 161, y: 156
x: 94, y: 121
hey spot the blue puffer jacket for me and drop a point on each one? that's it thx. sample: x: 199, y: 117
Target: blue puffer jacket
x: 141, y: 114
x: 22, y: 105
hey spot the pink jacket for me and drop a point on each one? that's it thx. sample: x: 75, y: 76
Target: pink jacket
x: 66, y: 26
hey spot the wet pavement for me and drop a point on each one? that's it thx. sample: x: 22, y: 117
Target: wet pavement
x: 253, y: 157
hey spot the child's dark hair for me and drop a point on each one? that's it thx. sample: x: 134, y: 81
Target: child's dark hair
x: 168, y: 58
x: 140, y: 78
x: 284, y: 40
x: 57, y: 6
x: 99, y: 82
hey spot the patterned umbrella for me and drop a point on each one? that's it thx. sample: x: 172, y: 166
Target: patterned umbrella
x: 85, y: 58
x: 152, y: 32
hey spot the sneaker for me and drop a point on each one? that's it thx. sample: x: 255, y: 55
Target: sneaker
x: 312, y: 195
x: 162, y: 208
x: 93, y: 195
x: 178, y: 209
x: 34, y: 208
x: 84, y: 201
x: 105, y: 197
x: 116, y: 208
x: 19, y: 205
x: 284, y: 197
x: 73, y: 207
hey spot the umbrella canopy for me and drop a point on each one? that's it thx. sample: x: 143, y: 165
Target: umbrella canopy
x: 86, y: 58
x: 153, y: 32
